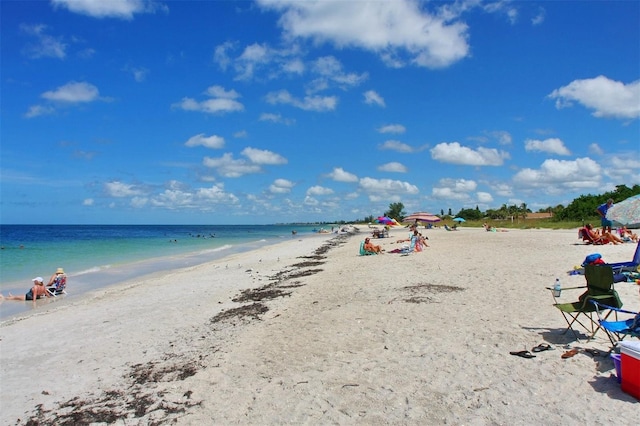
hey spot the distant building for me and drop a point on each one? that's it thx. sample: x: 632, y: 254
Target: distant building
x: 539, y: 216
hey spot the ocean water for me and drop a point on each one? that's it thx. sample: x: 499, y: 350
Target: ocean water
x: 94, y: 256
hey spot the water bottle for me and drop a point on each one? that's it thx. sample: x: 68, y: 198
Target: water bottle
x: 557, y: 289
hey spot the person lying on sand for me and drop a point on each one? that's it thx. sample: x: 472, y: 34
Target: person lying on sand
x: 37, y: 291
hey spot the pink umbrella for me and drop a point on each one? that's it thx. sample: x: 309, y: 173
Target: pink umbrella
x: 422, y: 217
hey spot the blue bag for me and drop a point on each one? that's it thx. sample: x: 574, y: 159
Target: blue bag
x: 591, y: 258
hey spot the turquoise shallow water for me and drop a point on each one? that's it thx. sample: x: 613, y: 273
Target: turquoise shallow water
x: 94, y: 256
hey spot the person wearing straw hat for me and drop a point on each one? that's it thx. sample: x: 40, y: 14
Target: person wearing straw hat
x: 36, y: 292
x: 57, y: 276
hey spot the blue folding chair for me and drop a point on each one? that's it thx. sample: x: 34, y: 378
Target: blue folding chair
x: 631, y: 266
x: 617, y: 330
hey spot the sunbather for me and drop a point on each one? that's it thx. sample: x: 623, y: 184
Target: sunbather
x: 36, y: 292
x: 626, y: 233
x: 58, y: 275
x: 370, y: 247
x: 602, y: 237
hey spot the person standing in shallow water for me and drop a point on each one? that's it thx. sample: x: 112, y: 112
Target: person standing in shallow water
x: 37, y: 291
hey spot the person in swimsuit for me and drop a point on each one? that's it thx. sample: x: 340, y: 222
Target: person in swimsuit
x: 370, y: 247
x: 36, y: 292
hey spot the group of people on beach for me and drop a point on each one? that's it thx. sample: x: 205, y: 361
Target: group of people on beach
x: 606, y: 234
x: 39, y: 290
x: 417, y: 242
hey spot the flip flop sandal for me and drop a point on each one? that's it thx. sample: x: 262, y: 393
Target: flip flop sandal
x: 523, y: 354
x: 569, y: 354
x: 542, y: 347
x: 593, y: 352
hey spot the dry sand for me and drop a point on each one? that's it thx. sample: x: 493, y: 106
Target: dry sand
x: 308, y: 332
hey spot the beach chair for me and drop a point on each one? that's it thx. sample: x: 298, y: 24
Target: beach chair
x: 59, y: 286
x: 587, y: 238
x: 363, y: 252
x: 407, y: 249
x: 618, y: 330
x: 632, y: 266
x: 599, y: 288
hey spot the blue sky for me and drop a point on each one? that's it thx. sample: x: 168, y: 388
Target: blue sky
x: 225, y: 112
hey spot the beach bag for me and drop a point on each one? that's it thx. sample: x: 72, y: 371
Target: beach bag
x: 594, y: 258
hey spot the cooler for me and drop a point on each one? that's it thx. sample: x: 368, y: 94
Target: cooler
x: 630, y: 368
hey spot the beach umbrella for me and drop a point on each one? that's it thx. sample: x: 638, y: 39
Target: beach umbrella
x: 422, y: 217
x: 385, y: 220
x: 626, y: 212
x: 459, y: 219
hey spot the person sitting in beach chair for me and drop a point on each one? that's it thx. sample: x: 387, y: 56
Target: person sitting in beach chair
x: 416, y: 244
x: 369, y: 247
x: 585, y: 235
x: 603, y: 237
x: 57, y: 283
x: 627, y: 235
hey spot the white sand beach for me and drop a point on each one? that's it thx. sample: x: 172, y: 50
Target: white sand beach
x: 309, y: 332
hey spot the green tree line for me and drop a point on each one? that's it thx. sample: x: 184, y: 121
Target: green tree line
x: 582, y: 208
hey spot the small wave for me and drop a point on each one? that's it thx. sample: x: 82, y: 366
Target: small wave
x: 93, y: 270
x: 217, y: 249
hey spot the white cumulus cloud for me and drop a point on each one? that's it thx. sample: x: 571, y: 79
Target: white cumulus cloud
x: 73, y: 92
x: 229, y: 167
x: 371, y: 97
x: 220, y: 101
x: 340, y: 175
x: 454, y: 153
x: 556, y: 176
x: 392, y: 128
x: 120, y: 189
x: 307, y: 103
x: 319, y: 190
x: 398, y: 146
x: 121, y: 9
x: 263, y: 156
x: 551, y: 145
x: 606, y: 97
x: 213, y: 141
x: 400, y: 32
x: 381, y: 188
x: 394, y: 167
x: 281, y: 186
x: 454, y: 189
